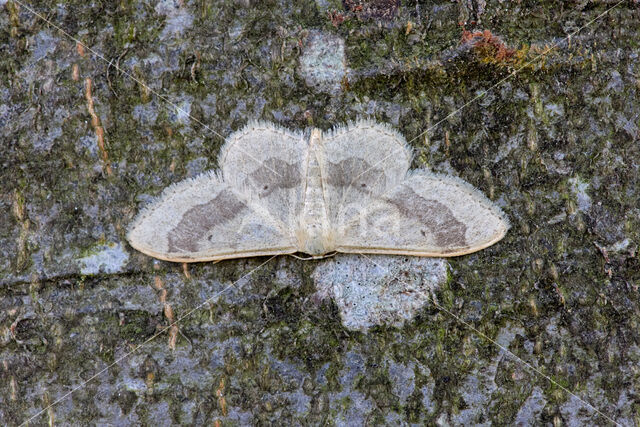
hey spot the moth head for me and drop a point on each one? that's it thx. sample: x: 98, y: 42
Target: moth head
x: 315, y: 138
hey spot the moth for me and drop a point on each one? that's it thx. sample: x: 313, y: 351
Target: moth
x: 349, y: 190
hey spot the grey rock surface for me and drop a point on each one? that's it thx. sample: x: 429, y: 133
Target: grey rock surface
x: 374, y: 290
x: 540, y: 329
x: 323, y: 62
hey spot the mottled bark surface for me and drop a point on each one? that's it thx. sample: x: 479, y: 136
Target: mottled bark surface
x: 86, y: 140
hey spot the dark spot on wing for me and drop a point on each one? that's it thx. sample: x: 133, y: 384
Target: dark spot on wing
x: 357, y: 173
x: 275, y: 174
x: 198, y: 221
x: 435, y: 216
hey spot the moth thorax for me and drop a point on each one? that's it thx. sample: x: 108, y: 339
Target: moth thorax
x: 311, y: 239
x: 313, y: 226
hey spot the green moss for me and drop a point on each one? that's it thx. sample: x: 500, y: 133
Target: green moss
x: 137, y: 325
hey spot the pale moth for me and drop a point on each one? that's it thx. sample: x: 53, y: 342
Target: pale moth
x: 350, y: 190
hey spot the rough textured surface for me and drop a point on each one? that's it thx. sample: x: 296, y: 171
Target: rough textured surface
x: 84, y: 145
x: 322, y: 63
x: 374, y: 290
